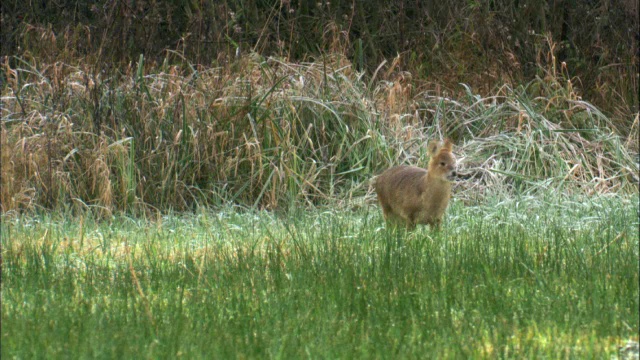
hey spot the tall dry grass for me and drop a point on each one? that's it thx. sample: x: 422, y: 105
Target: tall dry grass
x: 270, y: 133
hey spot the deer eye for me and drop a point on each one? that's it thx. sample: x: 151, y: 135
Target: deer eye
x: 442, y: 163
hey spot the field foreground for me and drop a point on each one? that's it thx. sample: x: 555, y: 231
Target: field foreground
x: 524, y: 278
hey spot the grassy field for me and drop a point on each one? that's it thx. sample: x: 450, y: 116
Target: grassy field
x: 213, y: 200
x: 530, y: 277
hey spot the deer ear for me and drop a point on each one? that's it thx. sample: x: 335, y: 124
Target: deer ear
x: 433, y: 147
x: 448, y: 145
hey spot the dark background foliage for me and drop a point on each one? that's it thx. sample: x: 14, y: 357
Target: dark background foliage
x: 483, y: 42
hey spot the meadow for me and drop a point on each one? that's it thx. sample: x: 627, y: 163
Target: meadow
x: 159, y: 206
x: 529, y: 277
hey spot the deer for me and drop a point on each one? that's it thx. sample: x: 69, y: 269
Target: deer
x: 410, y: 195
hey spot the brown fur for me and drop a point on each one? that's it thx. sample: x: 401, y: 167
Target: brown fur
x: 411, y: 195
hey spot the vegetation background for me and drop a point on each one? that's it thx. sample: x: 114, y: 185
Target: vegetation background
x: 192, y: 178
x: 175, y: 104
x: 481, y: 43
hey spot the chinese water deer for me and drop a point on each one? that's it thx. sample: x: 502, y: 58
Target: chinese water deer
x: 411, y: 195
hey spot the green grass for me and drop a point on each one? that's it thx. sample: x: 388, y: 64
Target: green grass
x: 530, y: 277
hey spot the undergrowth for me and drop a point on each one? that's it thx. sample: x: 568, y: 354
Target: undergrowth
x: 268, y: 133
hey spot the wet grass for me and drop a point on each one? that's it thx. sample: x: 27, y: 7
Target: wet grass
x: 528, y: 277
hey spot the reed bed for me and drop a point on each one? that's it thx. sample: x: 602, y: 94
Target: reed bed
x: 273, y: 134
